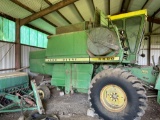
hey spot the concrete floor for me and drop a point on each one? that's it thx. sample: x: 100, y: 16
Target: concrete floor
x: 75, y: 107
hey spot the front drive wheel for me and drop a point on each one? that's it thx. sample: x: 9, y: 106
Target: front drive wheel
x: 117, y: 95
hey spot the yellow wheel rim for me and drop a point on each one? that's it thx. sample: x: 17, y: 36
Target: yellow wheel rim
x: 113, y: 98
x: 41, y: 94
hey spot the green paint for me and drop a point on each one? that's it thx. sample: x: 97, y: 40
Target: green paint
x: 13, y: 83
x: 61, y: 59
x: 72, y: 76
x: 147, y: 74
x: 67, y: 45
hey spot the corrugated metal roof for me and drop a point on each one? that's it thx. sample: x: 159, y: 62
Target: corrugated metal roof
x: 102, y: 5
x: 71, y: 14
x: 85, y: 8
x: 136, y: 5
x: 56, y: 19
x: 153, y: 6
x: 12, y: 9
x: 115, y: 6
x: 43, y: 25
x: 35, y: 5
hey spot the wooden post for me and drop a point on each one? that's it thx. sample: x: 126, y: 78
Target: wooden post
x: 17, y: 46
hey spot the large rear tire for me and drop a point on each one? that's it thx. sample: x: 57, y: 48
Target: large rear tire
x: 116, y: 94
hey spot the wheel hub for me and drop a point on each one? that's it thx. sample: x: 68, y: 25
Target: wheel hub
x: 41, y: 94
x: 113, y: 98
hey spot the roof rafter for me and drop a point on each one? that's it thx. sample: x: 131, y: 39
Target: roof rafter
x: 32, y: 11
x: 109, y: 5
x: 154, y: 20
x: 63, y: 17
x: 93, y: 5
x: 78, y: 12
x: 125, y: 5
x: 46, y: 11
x: 145, y: 4
x: 156, y: 12
x: 49, y: 3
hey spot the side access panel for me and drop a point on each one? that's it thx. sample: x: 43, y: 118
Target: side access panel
x: 72, y: 76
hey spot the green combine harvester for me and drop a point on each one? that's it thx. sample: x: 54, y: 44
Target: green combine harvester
x: 100, y: 59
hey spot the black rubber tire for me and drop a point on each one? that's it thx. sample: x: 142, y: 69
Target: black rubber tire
x: 135, y: 92
x: 46, y: 91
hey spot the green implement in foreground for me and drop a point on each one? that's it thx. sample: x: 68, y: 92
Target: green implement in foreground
x: 101, y: 60
x: 16, y: 95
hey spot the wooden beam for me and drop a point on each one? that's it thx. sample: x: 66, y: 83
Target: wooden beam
x: 122, y: 6
x: 125, y: 5
x: 46, y: 11
x: 93, y: 5
x: 109, y: 5
x: 63, y: 17
x: 145, y: 4
x: 50, y: 4
x: 49, y: 22
x: 7, y: 69
x: 7, y: 16
x: 78, y: 12
x: 154, y: 20
x: 17, y: 45
x: 32, y: 11
x: 156, y: 12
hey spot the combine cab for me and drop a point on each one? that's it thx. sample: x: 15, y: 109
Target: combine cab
x: 100, y: 59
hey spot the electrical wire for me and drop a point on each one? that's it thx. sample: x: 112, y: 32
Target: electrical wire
x: 6, y: 53
x: 3, y: 45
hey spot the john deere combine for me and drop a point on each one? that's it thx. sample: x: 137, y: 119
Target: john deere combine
x: 101, y: 61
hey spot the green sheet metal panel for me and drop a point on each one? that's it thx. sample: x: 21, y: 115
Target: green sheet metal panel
x: 144, y: 73
x: 58, y: 75
x: 7, y: 30
x: 45, y: 40
x: 67, y: 45
x: 25, y: 35
x: 36, y: 61
x: 68, y: 78
x: 40, y: 39
x: 81, y: 76
x: 72, y: 76
x: 12, y: 33
x: 14, y: 79
x: 33, y: 37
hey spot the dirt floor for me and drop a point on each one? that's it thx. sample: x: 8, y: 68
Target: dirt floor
x: 75, y: 107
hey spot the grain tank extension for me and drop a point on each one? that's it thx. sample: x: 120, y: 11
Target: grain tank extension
x: 101, y: 61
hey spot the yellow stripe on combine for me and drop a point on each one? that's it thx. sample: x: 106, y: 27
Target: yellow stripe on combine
x: 126, y: 15
x: 96, y: 59
x: 103, y: 59
x: 66, y: 59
